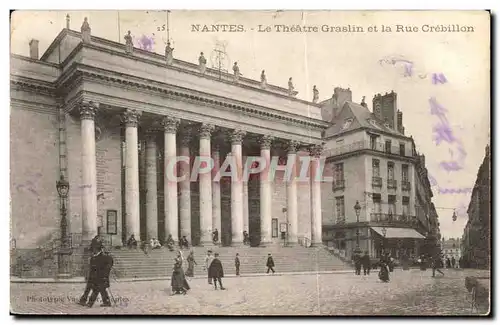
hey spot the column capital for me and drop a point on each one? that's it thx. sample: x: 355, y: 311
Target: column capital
x: 292, y: 146
x: 170, y: 124
x: 206, y: 131
x: 131, y: 117
x: 266, y: 141
x: 237, y: 136
x: 316, y: 150
x: 88, y: 109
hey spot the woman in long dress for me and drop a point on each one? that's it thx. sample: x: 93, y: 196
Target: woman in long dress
x: 383, y: 274
x: 191, y: 264
x: 178, y: 281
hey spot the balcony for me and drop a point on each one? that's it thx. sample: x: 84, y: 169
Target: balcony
x: 392, y: 184
x: 340, y: 220
x: 406, y: 186
x: 377, y: 181
x: 339, y: 185
x: 394, y: 218
x: 364, y: 145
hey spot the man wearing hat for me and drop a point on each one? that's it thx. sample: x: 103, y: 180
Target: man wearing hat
x: 208, y: 260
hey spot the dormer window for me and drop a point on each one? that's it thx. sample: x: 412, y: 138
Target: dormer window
x: 347, y: 123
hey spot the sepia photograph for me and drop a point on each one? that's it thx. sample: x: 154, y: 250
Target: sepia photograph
x: 250, y: 162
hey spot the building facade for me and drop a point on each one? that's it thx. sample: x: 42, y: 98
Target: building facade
x: 380, y: 199
x: 451, y: 248
x: 111, y: 119
x: 476, y: 239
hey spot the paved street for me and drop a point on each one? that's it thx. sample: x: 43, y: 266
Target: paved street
x: 409, y: 293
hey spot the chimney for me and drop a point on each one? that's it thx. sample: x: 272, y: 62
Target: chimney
x: 34, y: 49
x: 401, y: 129
x: 385, y: 108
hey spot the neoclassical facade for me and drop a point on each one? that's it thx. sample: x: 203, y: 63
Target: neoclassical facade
x: 112, y: 119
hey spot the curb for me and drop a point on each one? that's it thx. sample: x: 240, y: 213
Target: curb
x: 82, y: 280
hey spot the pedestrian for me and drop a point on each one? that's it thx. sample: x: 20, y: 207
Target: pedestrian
x: 435, y: 266
x: 191, y: 264
x: 131, y: 242
x: 448, y: 263
x: 366, y: 263
x: 237, y: 264
x: 170, y: 243
x: 216, y: 272
x: 383, y: 274
x: 208, y: 260
x: 453, y: 261
x: 357, y: 263
x: 215, y: 236
x: 178, y: 282
x: 270, y: 263
x: 100, y: 268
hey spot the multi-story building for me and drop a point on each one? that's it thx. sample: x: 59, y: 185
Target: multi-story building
x: 380, y: 197
x: 476, y: 239
x: 451, y: 248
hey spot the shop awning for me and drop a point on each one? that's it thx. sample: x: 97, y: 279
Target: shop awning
x: 398, y: 232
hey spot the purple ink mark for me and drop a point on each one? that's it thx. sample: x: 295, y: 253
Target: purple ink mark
x: 408, y: 70
x: 437, y: 109
x: 145, y: 43
x: 464, y: 190
x: 443, y: 132
x: 451, y: 166
x: 438, y: 78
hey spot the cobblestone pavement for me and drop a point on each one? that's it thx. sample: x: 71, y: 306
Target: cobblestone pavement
x: 411, y: 292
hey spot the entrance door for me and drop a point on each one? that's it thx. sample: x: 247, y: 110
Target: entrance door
x: 254, y: 211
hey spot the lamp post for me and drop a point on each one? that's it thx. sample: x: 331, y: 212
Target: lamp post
x: 64, y: 251
x: 357, y: 209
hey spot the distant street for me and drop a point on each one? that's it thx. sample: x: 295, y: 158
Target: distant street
x: 409, y: 293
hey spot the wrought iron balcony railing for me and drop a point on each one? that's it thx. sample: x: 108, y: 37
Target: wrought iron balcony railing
x: 406, y: 186
x: 340, y: 220
x: 363, y: 145
x: 339, y: 185
x: 376, y: 181
x: 392, y: 183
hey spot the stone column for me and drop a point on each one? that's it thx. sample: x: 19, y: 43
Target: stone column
x: 291, y: 193
x: 237, y: 188
x: 185, y: 186
x: 216, y: 198
x: 245, y: 201
x: 316, y: 218
x: 89, y: 172
x: 132, y: 211
x: 151, y: 186
x: 265, y: 192
x: 170, y: 125
x: 205, y: 187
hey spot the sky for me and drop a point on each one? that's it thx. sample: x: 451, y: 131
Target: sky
x: 367, y: 62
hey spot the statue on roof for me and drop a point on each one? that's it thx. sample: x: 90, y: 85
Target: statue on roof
x: 67, y: 21
x: 202, y: 61
x: 236, y: 71
x: 315, y: 94
x: 363, y: 103
x: 129, y: 45
x: 263, y: 80
x: 85, y: 29
x: 290, y: 86
x: 169, y: 53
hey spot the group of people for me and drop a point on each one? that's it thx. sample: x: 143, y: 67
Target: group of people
x: 100, y: 265
x: 154, y: 243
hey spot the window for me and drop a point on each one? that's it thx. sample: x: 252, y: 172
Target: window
x: 274, y: 227
x: 402, y: 149
x: 339, y: 172
x: 111, y: 222
x: 339, y: 203
x: 373, y: 142
x: 376, y: 167
x: 406, y: 206
x: 377, y: 203
x: 392, y: 205
x: 347, y: 123
x: 388, y: 146
x: 390, y: 170
x: 404, y: 173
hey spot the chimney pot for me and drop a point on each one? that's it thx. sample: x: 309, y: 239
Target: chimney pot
x: 34, y: 49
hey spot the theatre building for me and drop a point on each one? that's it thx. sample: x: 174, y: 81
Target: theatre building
x: 105, y: 120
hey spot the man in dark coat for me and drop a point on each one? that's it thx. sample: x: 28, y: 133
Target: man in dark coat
x: 216, y: 272
x: 237, y: 263
x: 357, y: 263
x: 270, y: 263
x: 95, y: 246
x: 100, y: 267
x: 366, y: 263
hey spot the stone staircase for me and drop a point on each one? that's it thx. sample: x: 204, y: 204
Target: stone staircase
x: 134, y: 263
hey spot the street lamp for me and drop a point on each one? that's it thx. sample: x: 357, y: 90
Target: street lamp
x: 63, y: 261
x: 357, y: 209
